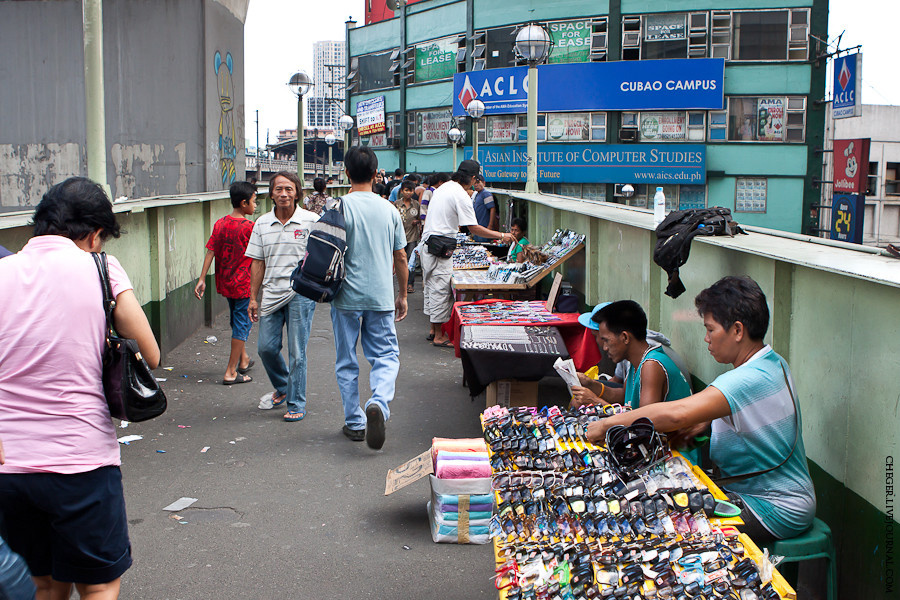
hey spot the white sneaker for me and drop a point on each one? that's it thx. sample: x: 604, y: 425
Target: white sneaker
x: 265, y: 403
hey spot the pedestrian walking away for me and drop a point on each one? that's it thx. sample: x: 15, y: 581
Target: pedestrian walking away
x: 227, y: 245
x: 277, y: 244
x: 365, y: 310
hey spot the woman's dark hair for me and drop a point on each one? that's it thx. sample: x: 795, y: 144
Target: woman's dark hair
x: 361, y: 164
x: 75, y: 208
x: 733, y: 299
x: 463, y: 179
x: 439, y: 178
x: 319, y: 185
x: 623, y: 315
x: 240, y: 191
x: 521, y: 223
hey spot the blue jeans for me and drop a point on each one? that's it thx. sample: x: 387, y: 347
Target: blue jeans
x: 297, y: 315
x: 15, y: 580
x: 379, y: 344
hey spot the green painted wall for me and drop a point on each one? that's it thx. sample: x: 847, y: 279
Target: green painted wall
x: 430, y: 95
x: 641, y: 6
x: 491, y: 13
x: 757, y: 80
x: 375, y: 37
x: 428, y: 160
x: 782, y: 210
x: 837, y: 331
x: 433, y: 23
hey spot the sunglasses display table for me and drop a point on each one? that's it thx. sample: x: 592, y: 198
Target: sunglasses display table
x: 579, y: 345
x: 576, y: 520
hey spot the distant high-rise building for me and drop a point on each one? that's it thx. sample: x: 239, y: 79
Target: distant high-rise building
x: 329, y: 74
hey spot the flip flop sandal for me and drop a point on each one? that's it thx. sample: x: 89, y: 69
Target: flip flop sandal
x: 445, y: 344
x: 276, y: 404
x: 294, y: 416
x: 249, y: 366
x: 430, y: 337
x: 239, y: 379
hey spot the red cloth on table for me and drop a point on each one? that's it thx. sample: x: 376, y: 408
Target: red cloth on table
x: 579, y: 341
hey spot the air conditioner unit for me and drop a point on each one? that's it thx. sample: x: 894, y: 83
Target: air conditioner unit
x: 628, y: 134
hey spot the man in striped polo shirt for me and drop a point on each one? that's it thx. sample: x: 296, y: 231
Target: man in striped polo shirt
x: 756, y: 428
x: 277, y: 244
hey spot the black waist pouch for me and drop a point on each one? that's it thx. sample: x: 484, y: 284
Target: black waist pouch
x: 441, y: 246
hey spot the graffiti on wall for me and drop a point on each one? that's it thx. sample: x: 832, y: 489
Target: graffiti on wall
x: 227, y: 147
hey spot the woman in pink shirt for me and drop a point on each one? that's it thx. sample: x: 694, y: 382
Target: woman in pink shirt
x: 60, y: 487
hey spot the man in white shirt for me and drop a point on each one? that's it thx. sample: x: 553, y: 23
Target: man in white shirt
x: 277, y: 244
x: 450, y: 207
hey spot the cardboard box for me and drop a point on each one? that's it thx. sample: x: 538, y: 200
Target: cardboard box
x: 511, y: 392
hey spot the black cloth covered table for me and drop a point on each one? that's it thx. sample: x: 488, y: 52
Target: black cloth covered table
x: 510, y: 352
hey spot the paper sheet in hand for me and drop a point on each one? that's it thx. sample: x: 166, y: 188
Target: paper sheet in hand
x: 566, y: 370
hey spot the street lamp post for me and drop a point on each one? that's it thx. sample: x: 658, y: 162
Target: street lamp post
x: 475, y: 108
x: 454, y: 134
x: 346, y: 123
x: 300, y: 83
x: 533, y: 45
x: 330, y: 139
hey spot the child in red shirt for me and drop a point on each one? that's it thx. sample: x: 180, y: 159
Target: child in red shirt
x: 227, y: 245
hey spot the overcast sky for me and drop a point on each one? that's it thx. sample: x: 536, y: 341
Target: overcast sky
x: 278, y: 38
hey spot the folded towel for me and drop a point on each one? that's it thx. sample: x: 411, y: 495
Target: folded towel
x: 475, y: 517
x: 453, y: 499
x: 462, y: 469
x: 458, y: 445
x: 446, y: 454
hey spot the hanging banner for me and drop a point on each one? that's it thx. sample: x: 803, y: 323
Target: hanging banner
x: 770, y: 123
x: 502, y: 129
x: 432, y: 127
x: 370, y: 116
x: 436, y: 59
x: 663, y: 126
x: 655, y: 164
x: 571, y: 41
x: 662, y: 27
x: 672, y: 84
x: 846, y: 86
x: 851, y: 166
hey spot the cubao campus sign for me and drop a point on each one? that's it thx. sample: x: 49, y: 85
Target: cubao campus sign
x: 674, y: 84
x: 592, y: 163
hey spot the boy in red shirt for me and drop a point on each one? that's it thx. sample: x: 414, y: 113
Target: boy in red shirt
x: 227, y: 245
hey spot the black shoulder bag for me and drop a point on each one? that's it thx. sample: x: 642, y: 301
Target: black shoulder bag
x: 131, y: 390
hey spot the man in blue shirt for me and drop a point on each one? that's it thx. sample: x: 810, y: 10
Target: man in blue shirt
x: 365, y: 308
x: 485, y: 208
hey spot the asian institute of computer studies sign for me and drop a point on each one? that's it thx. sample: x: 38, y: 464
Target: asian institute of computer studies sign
x: 847, y: 82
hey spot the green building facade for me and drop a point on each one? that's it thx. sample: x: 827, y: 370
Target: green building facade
x: 762, y: 149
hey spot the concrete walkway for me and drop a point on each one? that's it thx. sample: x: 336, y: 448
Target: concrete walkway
x: 294, y: 510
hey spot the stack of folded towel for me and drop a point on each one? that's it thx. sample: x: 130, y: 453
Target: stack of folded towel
x: 461, y: 499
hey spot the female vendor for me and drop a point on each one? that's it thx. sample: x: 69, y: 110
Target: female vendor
x: 756, y: 427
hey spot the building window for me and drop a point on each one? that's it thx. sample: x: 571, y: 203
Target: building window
x: 766, y: 119
x: 500, y: 48
x: 596, y: 192
x: 374, y: 71
x: 892, y: 179
x: 872, y: 180
x: 541, y: 127
x: 718, y: 125
x: 770, y: 35
x: 429, y: 127
x: 643, y: 196
x: 750, y: 194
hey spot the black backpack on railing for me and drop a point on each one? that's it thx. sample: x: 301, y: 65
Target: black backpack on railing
x: 674, y: 235
x: 321, y: 272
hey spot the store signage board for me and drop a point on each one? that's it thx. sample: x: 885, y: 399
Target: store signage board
x: 432, y: 127
x: 846, y: 86
x: 851, y: 166
x: 436, y: 60
x: 409, y: 472
x: 847, y: 213
x: 673, y: 84
x: 654, y: 164
x: 370, y: 116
